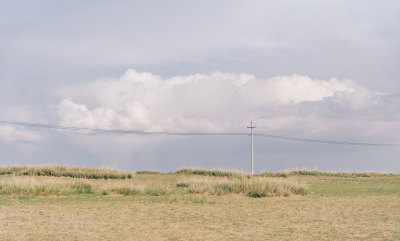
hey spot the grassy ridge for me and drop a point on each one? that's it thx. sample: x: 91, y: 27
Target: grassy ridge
x: 220, y: 173
x: 64, y: 171
x: 324, y: 174
x: 253, y: 187
x: 61, y: 180
x: 104, y: 173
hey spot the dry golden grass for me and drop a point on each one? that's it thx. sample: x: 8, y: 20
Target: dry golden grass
x: 12, y: 185
x: 230, y: 217
x: 252, y: 186
x: 335, y: 208
x: 47, y: 186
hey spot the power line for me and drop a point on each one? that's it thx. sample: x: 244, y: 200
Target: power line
x: 139, y: 132
x: 325, y: 141
x: 118, y: 131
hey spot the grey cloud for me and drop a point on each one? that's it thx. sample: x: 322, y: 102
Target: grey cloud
x: 52, y: 52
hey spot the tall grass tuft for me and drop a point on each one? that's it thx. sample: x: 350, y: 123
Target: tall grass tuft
x: 45, y: 186
x: 64, y: 171
x: 13, y: 185
x: 252, y: 186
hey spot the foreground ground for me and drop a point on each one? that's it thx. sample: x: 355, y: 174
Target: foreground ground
x: 335, y: 208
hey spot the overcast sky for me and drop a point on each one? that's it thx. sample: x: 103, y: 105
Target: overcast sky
x: 309, y: 69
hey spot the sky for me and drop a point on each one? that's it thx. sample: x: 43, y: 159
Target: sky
x: 306, y: 68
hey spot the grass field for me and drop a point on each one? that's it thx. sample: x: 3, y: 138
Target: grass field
x: 199, y: 205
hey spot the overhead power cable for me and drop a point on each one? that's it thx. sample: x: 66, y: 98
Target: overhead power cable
x: 139, y: 132
x: 324, y: 141
x: 119, y: 131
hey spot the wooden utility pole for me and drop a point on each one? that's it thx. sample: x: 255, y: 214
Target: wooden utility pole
x: 252, y: 146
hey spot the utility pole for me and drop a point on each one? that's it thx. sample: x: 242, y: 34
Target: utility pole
x: 252, y: 146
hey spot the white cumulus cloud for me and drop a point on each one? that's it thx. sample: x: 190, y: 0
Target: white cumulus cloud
x: 129, y: 115
x: 221, y: 102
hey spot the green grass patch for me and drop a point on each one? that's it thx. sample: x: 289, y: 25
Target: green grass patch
x: 147, y: 172
x: 213, y: 173
x: 181, y: 184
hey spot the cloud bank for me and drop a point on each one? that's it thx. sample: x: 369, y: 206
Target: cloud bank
x: 294, y: 105
x: 224, y: 102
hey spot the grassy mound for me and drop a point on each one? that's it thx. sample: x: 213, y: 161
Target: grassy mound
x: 220, y: 173
x: 64, y: 171
x: 25, y: 185
x: 251, y: 186
x: 48, y: 186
